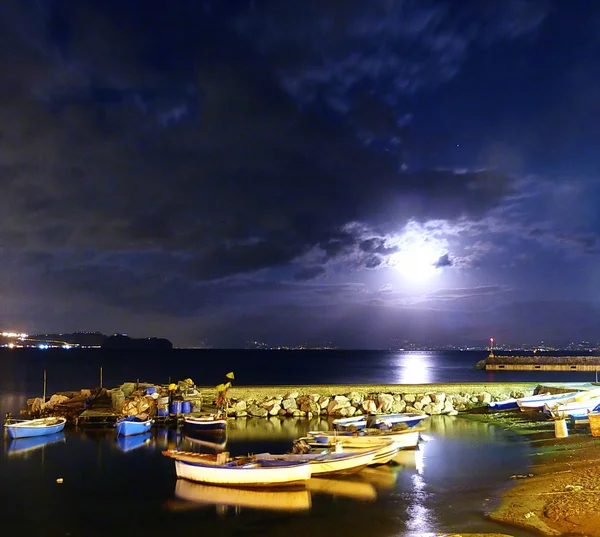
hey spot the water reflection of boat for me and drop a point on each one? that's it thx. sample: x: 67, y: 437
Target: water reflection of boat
x: 350, y: 488
x: 281, y: 500
x: 203, y: 443
x: 382, y: 477
x: 406, y: 457
x: 20, y: 446
x: 128, y: 443
x: 38, y: 427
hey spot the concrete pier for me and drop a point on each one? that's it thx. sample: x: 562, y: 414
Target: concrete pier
x: 543, y: 363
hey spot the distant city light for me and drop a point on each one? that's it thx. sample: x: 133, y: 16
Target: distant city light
x: 14, y: 334
x: 43, y: 346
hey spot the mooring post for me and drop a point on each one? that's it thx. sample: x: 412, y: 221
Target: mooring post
x: 100, y: 376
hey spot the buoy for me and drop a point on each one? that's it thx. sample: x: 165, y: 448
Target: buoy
x: 560, y: 428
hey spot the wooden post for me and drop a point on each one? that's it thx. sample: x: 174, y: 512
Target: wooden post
x: 44, y: 392
x: 100, y: 377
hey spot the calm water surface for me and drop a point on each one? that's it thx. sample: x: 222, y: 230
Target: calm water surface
x: 128, y: 488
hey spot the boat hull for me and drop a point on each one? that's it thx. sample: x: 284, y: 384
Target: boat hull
x: 244, y: 476
x: 39, y: 427
x: 132, y: 428
x: 384, y: 420
x: 327, y: 464
x: 205, y: 425
x: 403, y: 439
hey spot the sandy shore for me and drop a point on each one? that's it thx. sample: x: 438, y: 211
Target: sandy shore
x: 563, y: 495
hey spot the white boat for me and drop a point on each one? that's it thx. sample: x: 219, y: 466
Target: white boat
x: 385, y: 421
x: 281, y: 500
x: 572, y: 408
x: 407, y: 439
x: 385, y: 450
x: 537, y: 402
x: 38, y: 427
x: 241, y: 472
x: 345, y: 462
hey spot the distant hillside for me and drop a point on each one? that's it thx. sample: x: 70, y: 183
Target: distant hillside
x: 125, y: 342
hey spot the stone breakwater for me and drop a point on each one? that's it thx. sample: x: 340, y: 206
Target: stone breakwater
x: 294, y: 403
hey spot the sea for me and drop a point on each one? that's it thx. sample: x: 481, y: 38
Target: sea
x: 86, y: 482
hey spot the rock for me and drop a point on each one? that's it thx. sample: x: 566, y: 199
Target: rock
x: 418, y: 405
x: 274, y: 410
x: 356, y: 398
x: 369, y: 406
x: 411, y: 410
x: 385, y: 401
x: 310, y: 406
x: 409, y: 398
x: 438, y: 397
x: 258, y: 412
x: 269, y: 404
x: 282, y: 412
x: 241, y: 414
x: 448, y: 408
x: 291, y: 395
x: 485, y: 398
x: 240, y: 406
x: 289, y: 404
x: 342, y: 400
x: 433, y: 408
x: 425, y: 400
x: 398, y: 405
x: 452, y: 413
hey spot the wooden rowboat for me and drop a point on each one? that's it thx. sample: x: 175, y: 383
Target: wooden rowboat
x: 242, y: 472
x: 326, y: 463
x: 37, y: 427
x: 407, y: 439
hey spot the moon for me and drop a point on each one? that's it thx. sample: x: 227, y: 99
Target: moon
x: 417, y: 262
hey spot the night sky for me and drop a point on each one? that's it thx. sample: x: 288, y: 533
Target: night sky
x: 301, y: 171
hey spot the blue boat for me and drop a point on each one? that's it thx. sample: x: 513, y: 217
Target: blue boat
x: 205, y: 424
x: 128, y: 443
x: 21, y: 446
x: 382, y: 421
x: 131, y: 425
x: 37, y: 427
x: 532, y: 402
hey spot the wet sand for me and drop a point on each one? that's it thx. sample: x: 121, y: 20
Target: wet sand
x: 563, y: 495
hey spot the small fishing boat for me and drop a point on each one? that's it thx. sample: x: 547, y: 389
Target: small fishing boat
x: 205, y: 424
x: 129, y: 443
x: 384, y: 421
x: 243, y: 472
x: 22, y: 446
x: 513, y: 403
x: 385, y: 450
x: 132, y: 425
x: 407, y: 439
x: 326, y: 463
x: 573, y: 408
x: 38, y: 427
x: 198, y: 494
x: 527, y: 404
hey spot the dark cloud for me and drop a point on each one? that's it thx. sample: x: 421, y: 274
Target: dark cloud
x: 456, y: 294
x: 210, y: 160
x: 309, y: 273
x: 444, y: 261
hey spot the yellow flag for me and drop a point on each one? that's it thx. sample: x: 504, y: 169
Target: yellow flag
x: 230, y: 375
x: 221, y: 387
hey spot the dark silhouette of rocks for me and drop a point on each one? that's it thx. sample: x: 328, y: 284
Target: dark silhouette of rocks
x: 119, y: 341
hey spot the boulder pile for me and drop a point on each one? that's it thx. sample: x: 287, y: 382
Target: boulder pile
x: 358, y: 403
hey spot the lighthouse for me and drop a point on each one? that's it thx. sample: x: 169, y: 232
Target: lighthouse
x: 491, y: 355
